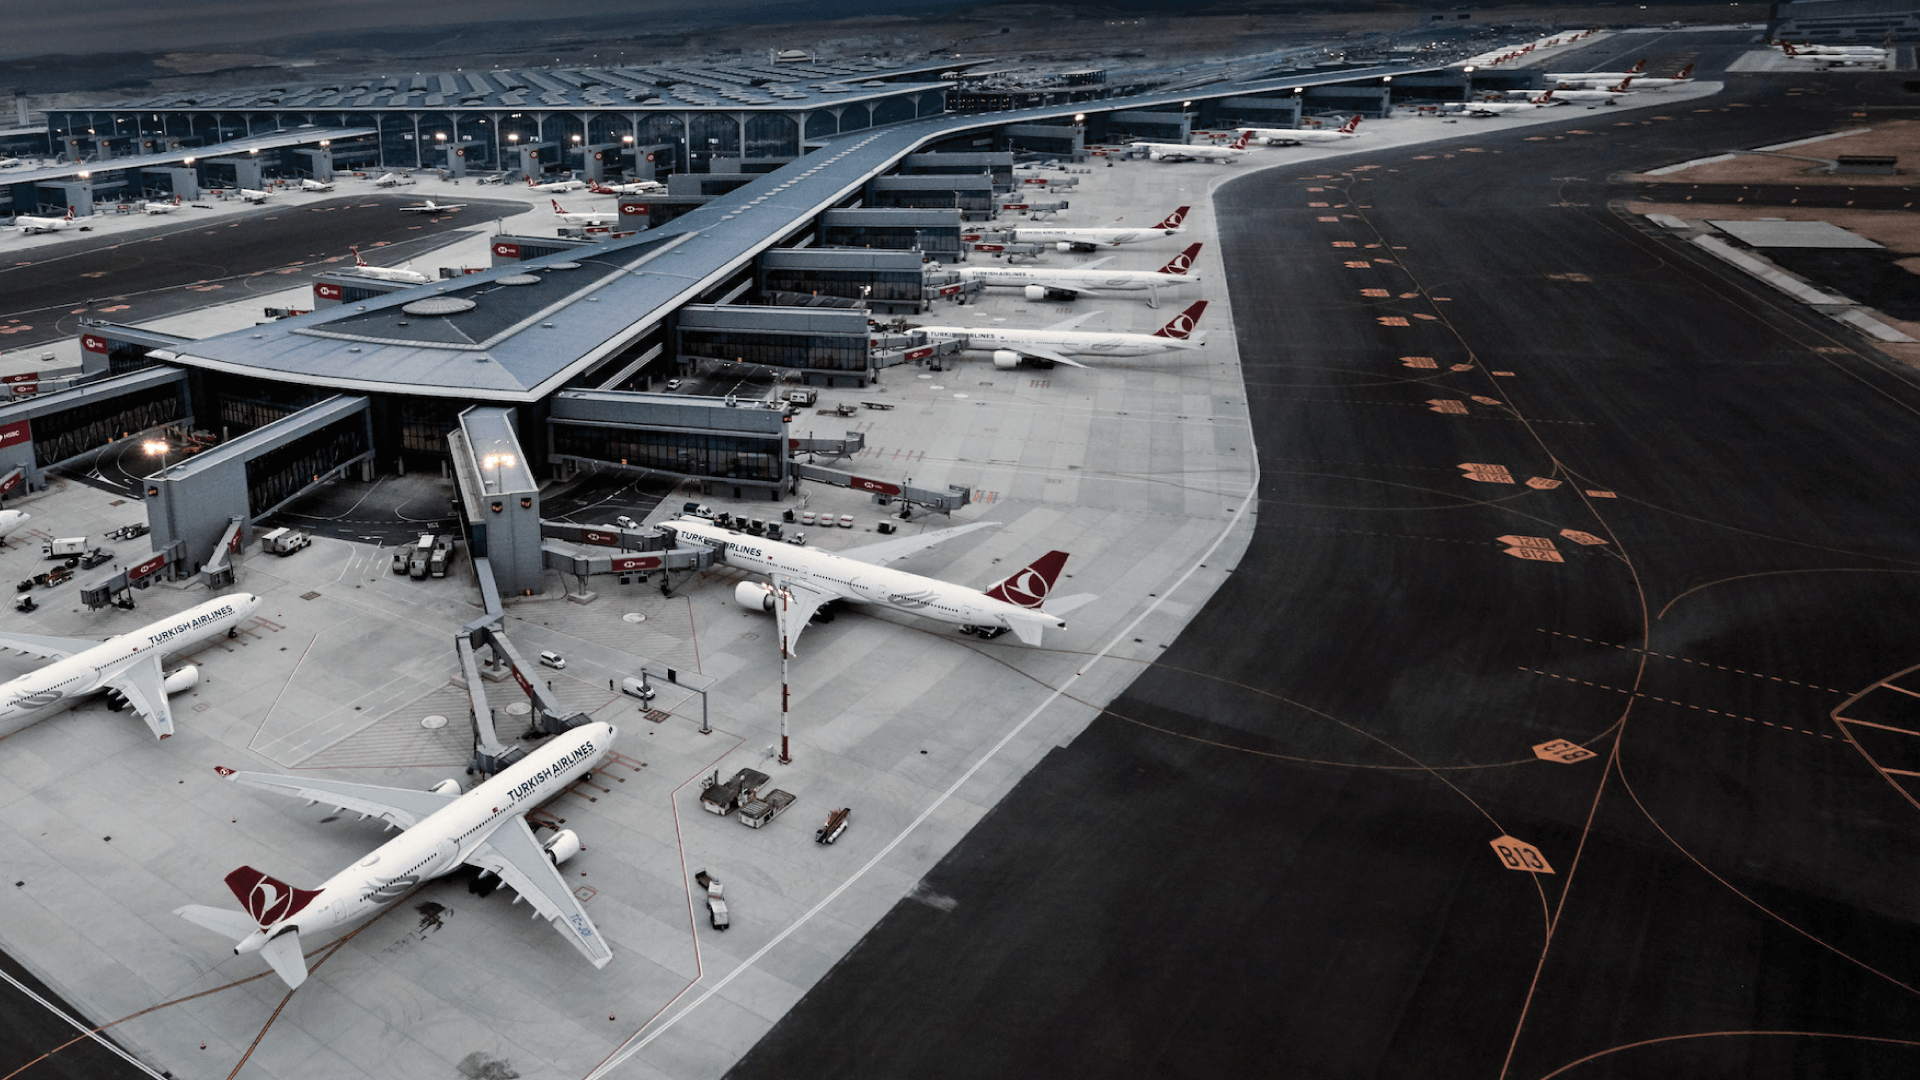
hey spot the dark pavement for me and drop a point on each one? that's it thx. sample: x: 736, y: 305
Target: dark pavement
x: 182, y: 263
x: 1290, y: 848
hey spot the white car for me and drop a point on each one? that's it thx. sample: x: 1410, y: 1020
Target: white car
x: 553, y: 659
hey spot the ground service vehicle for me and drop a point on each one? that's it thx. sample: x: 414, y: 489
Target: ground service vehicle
x: 284, y: 542
x: 69, y: 547
x: 420, y: 555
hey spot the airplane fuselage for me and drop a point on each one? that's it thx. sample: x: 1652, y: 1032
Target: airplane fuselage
x: 859, y: 582
x: 1284, y: 136
x: 1067, y: 342
x: 442, y: 841
x: 1184, y: 152
x: 62, y: 683
x: 30, y: 225
x: 1019, y: 277
x: 1090, y: 237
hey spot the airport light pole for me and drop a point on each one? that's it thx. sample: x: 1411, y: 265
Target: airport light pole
x: 786, y: 757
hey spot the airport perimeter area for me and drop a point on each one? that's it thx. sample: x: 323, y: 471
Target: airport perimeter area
x: 1339, y: 606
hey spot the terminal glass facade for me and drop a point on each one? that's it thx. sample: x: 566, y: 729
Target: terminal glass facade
x: 881, y: 285
x: 813, y: 352
x: 689, y: 453
x: 90, y: 425
x: 279, y: 474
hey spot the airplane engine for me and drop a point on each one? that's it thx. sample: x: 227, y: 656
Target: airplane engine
x: 449, y: 786
x: 1006, y: 359
x: 181, y: 678
x: 754, y: 595
x: 564, y: 845
x: 1036, y: 292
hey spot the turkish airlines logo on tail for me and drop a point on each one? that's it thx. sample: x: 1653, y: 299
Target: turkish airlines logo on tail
x: 1182, y: 262
x: 266, y: 899
x: 1174, y: 219
x: 1181, y: 326
x: 1028, y: 587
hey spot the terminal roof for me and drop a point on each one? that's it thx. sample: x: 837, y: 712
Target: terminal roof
x: 274, y: 140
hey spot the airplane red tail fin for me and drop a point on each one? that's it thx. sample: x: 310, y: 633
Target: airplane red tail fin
x: 1351, y: 126
x: 1685, y: 72
x: 1181, y: 326
x: 267, y: 900
x: 357, y: 260
x: 556, y: 206
x: 1639, y: 67
x: 1028, y: 587
x: 69, y: 213
x: 1182, y: 262
x: 1173, y: 220
x: 1241, y: 142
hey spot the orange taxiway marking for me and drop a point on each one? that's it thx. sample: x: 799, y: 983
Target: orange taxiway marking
x: 1520, y: 855
x: 1562, y: 751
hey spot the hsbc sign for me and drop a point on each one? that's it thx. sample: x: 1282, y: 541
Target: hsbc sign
x: 627, y: 563
x: 878, y: 486
x: 507, y: 251
x: 324, y: 291
x: 16, y: 433
x: 93, y: 343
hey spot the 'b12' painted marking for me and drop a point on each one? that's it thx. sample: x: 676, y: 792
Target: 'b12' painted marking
x: 1562, y: 751
x: 1520, y: 855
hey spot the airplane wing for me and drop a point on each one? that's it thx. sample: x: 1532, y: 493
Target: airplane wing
x: 46, y: 648
x: 794, y: 615
x: 520, y: 861
x: 1047, y: 354
x: 141, y: 684
x: 1068, y: 324
x: 891, y: 551
x: 403, y: 807
x: 1094, y: 263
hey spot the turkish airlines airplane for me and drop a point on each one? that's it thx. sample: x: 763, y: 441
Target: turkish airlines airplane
x: 386, y: 273
x: 485, y: 828
x: 1811, y: 50
x: 431, y: 207
x: 1227, y: 154
x: 1602, y: 97
x: 1300, y: 136
x: 316, y: 185
x: 9, y: 521
x: 1680, y: 78
x: 638, y: 187
x: 254, y: 196
x: 569, y: 184
x: 1495, y: 108
x: 584, y: 217
x: 127, y: 667
x: 160, y: 207
x: 391, y: 180
x: 1042, y: 283
x: 803, y: 579
x: 1057, y: 343
x: 1089, y: 239
x: 1595, y: 78
x: 30, y: 225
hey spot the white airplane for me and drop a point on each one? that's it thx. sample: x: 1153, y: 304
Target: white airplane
x: 1056, y: 344
x: 1227, y: 154
x: 126, y: 667
x: 1812, y: 51
x: 1089, y: 239
x: 584, y: 217
x: 160, y: 207
x: 9, y: 521
x: 637, y: 187
x: 1495, y: 108
x: 30, y: 225
x: 569, y: 184
x: 804, y: 579
x: 1299, y: 136
x: 485, y: 828
x: 431, y: 207
x: 1603, y: 97
x: 253, y: 196
x: 1594, y: 78
x: 386, y: 273
x: 316, y: 185
x: 12, y: 162
x: 392, y: 179
x: 1680, y: 78
x: 1042, y: 283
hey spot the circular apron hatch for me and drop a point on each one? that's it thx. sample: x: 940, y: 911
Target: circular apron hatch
x: 520, y: 279
x: 519, y: 708
x: 633, y: 617
x: 563, y: 266
x: 433, y: 722
x: 439, y: 305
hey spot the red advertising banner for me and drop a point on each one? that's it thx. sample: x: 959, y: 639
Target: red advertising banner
x: 324, y: 291
x: 146, y: 569
x: 31, y: 376
x: 93, y: 343
x: 878, y: 486
x: 626, y: 563
x: 16, y: 433
x: 507, y: 251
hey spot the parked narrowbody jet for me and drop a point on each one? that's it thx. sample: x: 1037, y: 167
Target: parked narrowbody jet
x: 637, y: 187
x: 386, y: 273
x: 316, y: 185
x: 584, y: 217
x: 431, y: 207
x: 569, y: 184
x: 9, y: 521
x: 485, y: 828
x: 127, y: 667
x: 1594, y: 78
x: 29, y: 224
x: 803, y: 579
x: 161, y: 207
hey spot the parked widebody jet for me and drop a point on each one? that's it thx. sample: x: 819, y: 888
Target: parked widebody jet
x: 1303, y: 136
x: 637, y: 187
x: 127, y: 667
x: 1810, y: 50
x: 1495, y: 108
x: 162, y: 207
x: 803, y: 579
x: 392, y: 179
x: 316, y: 185
x: 1680, y: 78
x: 486, y: 828
x: 386, y: 273
x: 584, y: 217
x: 1227, y: 154
x: 1043, y: 283
x: 1594, y: 78
x: 569, y: 184
x: 9, y: 521
x: 1059, y: 343
x: 1089, y: 239
x: 254, y: 195
x: 29, y: 224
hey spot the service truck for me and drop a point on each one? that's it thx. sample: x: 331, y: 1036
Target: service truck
x: 420, y: 556
x: 70, y: 547
x: 284, y: 542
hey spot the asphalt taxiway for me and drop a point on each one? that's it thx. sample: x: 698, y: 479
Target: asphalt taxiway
x: 1507, y: 748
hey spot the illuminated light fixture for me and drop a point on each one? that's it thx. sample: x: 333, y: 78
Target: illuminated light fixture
x: 154, y: 447
x: 497, y: 461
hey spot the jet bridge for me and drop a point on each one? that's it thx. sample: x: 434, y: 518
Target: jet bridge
x: 886, y: 492
x: 490, y: 755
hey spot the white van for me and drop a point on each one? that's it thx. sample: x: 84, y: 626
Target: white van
x: 633, y: 687
x: 553, y: 659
